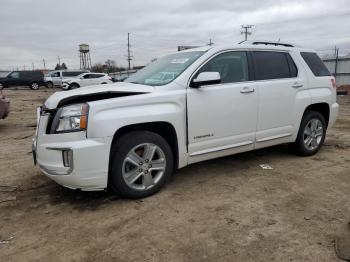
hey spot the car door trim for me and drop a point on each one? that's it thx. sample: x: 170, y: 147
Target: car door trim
x: 273, y: 137
x: 221, y: 148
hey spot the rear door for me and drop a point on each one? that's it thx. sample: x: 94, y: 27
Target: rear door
x: 279, y: 82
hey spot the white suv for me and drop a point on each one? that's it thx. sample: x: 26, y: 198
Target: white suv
x: 86, y: 79
x: 222, y: 100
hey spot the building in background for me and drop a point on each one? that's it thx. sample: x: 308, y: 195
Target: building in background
x: 340, y: 68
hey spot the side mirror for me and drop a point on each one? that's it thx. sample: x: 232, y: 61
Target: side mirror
x: 206, y: 78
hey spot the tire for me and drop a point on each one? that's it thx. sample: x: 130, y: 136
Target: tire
x: 73, y: 86
x: 311, y: 135
x: 34, y: 86
x: 133, y: 173
x: 49, y: 85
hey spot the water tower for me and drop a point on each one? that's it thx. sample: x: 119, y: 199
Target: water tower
x: 84, y: 54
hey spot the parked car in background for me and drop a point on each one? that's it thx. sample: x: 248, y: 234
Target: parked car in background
x: 4, y: 105
x: 33, y: 79
x: 219, y: 100
x: 122, y: 75
x: 86, y: 79
x: 56, y: 78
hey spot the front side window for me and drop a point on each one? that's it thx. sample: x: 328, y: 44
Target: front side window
x: 14, y: 75
x: 87, y: 76
x: 315, y: 64
x: 55, y: 74
x: 273, y: 65
x: 232, y: 67
x: 164, y: 70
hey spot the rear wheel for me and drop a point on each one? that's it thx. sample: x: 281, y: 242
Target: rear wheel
x: 311, y: 134
x: 141, y: 163
x: 49, y: 84
x: 34, y: 86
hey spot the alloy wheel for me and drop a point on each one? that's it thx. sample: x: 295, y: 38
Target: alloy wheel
x: 313, y: 134
x: 144, y: 166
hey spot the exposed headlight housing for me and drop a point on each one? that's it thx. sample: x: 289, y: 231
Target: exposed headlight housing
x: 71, y: 118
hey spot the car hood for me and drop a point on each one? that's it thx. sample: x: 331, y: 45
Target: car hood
x: 95, y: 92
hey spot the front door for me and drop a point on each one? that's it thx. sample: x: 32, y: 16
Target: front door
x: 222, y: 117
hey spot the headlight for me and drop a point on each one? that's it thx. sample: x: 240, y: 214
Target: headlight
x: 71, y: 118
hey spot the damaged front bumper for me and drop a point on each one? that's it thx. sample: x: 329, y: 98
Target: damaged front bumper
x: 71, y: 159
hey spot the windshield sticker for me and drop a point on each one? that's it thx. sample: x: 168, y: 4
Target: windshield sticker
x: 179, y: 60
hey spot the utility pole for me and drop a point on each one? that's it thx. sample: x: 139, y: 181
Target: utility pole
x: 129, y: 57
x: 336, y: 51
x: 59, y: 60
x: 246, y: 31
x: 44, y: 63
x: 210, y: 42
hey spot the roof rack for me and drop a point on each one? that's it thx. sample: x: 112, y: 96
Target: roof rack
x: 272, y: 43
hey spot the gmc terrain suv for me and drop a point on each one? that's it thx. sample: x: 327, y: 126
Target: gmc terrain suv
x: 217, y: 101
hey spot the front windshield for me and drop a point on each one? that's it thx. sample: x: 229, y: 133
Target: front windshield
x: 165, y: 69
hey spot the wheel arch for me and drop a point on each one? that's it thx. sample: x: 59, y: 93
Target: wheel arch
x: 322, y: 108
x: 162, y: 128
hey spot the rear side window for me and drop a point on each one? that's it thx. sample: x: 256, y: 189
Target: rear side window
x: 315, y: 64
x: 273, y: 65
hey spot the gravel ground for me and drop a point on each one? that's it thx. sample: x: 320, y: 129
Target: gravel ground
x: 227, y: 209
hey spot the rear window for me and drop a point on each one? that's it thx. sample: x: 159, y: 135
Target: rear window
x: 315, y: 64
x: 273, y: 65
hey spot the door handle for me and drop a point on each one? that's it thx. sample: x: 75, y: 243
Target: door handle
x: 247, y: 90
x: 297, y: 85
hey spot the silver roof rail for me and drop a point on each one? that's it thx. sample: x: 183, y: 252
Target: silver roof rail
x: 267, y: 43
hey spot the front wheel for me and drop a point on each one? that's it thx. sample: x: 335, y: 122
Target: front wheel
x: 311, y: 134
x: 141, y: 163
x: 34, y: 86
x: 73, y: 86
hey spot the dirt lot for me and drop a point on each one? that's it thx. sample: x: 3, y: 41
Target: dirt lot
x: 227, y: 209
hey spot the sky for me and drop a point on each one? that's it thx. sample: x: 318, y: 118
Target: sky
x: 33, y: 30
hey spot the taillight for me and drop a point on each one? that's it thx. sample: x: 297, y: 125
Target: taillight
x: 334, y: 84
x: 110, y: 78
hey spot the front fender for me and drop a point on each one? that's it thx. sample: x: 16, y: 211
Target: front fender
x: 106, y: 117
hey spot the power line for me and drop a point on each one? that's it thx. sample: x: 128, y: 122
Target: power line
x: 129, y: 57
x: 246, y: 31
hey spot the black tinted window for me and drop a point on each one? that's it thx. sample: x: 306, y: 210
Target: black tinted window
x: 96, y: 75
x: 232, y: 66
x: 72, y: 73
x: 273, y: 65
x: 315, y: 63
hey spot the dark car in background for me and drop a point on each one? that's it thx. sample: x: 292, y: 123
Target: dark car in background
x: 4, y: 105
x: 32, y: 79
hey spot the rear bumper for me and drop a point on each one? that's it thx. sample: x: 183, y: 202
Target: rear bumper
x: 333, y: 114
x: 88, y: 164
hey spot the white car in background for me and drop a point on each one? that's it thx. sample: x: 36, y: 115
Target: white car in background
x: 55, y: 78
x: 86, y: 79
